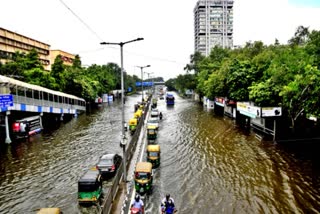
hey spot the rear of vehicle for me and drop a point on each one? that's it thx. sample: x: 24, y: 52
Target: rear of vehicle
x: 153, y: 122
x: 133, y: 125
x: 108, y: 165
x: 170, y: 99
x: 90, y: 187
x: 26, y: 127
x: 49, y: 211
x: 151, y: 132
x: 154, y: 113
x: 153, y: 155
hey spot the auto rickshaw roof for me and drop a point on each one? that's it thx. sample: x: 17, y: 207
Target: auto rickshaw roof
x: 153, y: 148
x: 49, y: 211
x: 151, y: 127
x: 143, y: 167
x: 90, y: 175
x: 133, y: 120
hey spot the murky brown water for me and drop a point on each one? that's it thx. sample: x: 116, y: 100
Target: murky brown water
x: 210, y: 166
x: 44, y: 171
x: 207, y: 164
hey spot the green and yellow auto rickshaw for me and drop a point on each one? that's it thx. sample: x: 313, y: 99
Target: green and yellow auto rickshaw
x: 153, y: 155
x: 138, y: 114
x: 154, y: 103
x: 143, y: 177
x: 90, y: 187
x: 133, y: 125
x: 151, y: 133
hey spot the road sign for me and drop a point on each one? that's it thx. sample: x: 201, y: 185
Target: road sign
x: 6, y: 100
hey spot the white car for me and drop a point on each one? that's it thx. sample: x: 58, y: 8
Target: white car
x: 154, y: 113
x: 154, y: 122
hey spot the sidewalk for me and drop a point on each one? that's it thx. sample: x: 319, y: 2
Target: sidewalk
x: 118, y: 201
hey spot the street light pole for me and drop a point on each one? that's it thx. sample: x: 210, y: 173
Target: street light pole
x: 142, y: 67
x: 123, y: 136
x: 149, y: 79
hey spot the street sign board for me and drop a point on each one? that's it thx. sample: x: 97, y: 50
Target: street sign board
x: 6, y: 100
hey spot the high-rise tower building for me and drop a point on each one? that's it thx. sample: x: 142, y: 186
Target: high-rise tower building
x: 213, y: 25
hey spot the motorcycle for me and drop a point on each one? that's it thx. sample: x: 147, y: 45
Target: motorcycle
x: 135, y: 210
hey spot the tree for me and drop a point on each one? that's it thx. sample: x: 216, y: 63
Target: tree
x: 170, y: 83
x: 58, y: 72
x: 239, y: 77
x: 302, y: 94
x: 313, y: 46
x: 21, y: 62
x: 76, y: 62
x: 195, y: 59
x: 37, y: 76
x: 300, y: 36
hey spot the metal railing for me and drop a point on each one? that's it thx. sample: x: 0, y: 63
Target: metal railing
x: 45, y: 103
x: 130, y: 150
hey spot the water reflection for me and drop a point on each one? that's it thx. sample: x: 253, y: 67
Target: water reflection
x: 207, y: 164
x: 211, y: 166
x: 44, y: 170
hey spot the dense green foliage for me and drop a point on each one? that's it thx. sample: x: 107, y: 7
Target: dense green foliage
x: 274, y: 75
x: 87, y: 83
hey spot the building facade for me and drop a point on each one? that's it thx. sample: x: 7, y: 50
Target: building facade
x: 67, y: 58
x: 11, y: 42
x: 213, y: 25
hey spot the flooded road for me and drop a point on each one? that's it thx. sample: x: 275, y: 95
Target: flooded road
x: 208, y: 165
x: 45, y: 171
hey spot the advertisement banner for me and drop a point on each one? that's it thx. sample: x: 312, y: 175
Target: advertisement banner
x: 271, y: 111
x: 219, y: 101
x: 248, y: 110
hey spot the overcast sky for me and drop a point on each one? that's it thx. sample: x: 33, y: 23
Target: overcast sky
x: 165, y: 25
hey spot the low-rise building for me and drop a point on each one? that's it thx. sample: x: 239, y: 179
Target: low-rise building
x: 11, y: 42
x: 67, y: 58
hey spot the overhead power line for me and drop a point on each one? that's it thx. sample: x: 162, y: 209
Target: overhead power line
x: 78, y: 17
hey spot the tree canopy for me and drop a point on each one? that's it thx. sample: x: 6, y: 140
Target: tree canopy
x: 274, y: 75
x: 87, y: 83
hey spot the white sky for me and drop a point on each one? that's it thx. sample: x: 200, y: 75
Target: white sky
x: 165, y: 25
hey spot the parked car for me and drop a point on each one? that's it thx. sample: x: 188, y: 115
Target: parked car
x: 109, y: 164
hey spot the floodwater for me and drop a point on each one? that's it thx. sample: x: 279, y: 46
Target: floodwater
x: 44, y: 171
x: 208, y: 165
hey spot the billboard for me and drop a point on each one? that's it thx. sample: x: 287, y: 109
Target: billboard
x: 271, y: 111
x: 248, y: 110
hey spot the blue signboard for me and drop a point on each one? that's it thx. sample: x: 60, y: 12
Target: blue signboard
x: 6, y: 100
x: 138, y: 84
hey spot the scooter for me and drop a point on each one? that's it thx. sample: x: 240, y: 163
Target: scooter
x: 135, y: 210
